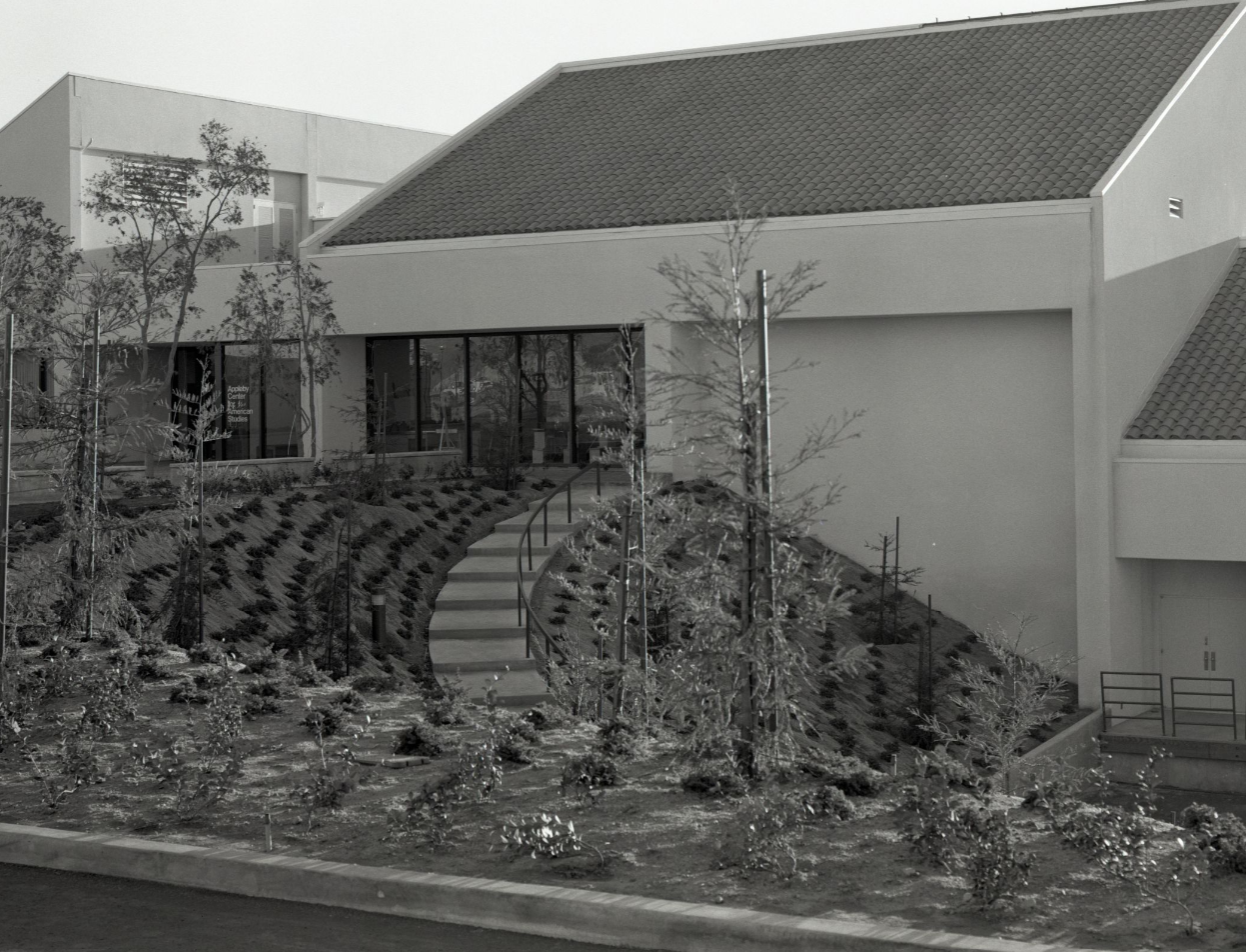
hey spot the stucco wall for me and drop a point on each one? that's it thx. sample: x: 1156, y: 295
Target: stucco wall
x: 987, y: 259
x: 1181, y: 509
x: 34, y: 154
x: 967, y: 437
x: 1156, y: 272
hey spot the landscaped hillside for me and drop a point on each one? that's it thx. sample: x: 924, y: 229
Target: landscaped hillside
x: 271, y: 555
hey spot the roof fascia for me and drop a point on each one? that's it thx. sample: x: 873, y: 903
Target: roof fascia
x: 1139, y: 141
x: 315, y: 241
x: 1135, y: 6
x: 1072, y: 206
x: 34, y: 102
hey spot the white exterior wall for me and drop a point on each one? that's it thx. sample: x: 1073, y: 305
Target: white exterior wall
x: 34, y: 162
x: 1158, y: 273
x: 951, y: 328
x: 968, y: 438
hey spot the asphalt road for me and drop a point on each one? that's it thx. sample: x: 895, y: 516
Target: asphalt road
x: 44, y: 910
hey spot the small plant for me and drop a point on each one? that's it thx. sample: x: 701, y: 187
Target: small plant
x: 546, y: 716
x: 621, y: 738
x: 427, y: 814
x: 349, y: 700
x: 450, y: 707
x: 1221, y: 837
x: 763, y: 836
x: 544, y: 835
x: 74, y: 765
x: 588, y: 776
x: 323, y: 721
x: 848, y: 773
x: 715, y: 779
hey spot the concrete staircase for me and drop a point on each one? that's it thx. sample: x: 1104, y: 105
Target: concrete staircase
x: 476, y: 630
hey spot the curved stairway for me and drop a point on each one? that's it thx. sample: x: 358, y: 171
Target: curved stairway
x: 476, y: 631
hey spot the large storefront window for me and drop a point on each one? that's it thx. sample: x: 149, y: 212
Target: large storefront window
x: 539, y: 399
x: 261, y: 396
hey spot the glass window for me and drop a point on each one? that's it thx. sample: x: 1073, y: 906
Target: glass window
x: 442, y: 394
x: 545, y: 408
x: 392, y: 394
x: 494, y: 386
x: 599, y: 380
x: 282, y: 402
x: 243, y: 410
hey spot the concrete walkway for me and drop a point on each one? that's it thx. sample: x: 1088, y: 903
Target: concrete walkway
x: 477, y: 631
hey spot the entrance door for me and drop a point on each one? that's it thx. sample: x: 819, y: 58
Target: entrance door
x: 1203, y: 638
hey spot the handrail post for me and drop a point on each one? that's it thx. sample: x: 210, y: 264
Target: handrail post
x: 527, y: 636
x: 529, y: 551
x: 545, y: 515
x: 597, y: 470
x: 569, y: 501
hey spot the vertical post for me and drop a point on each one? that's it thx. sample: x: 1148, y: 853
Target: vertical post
x: 378, y: 618
x: 6, y: 447
x: 625, y: 556
x: 895, y: 586
x: 350, y: 511
x: 95, y: 475
x: 199, y: 477
x: 882, y: 593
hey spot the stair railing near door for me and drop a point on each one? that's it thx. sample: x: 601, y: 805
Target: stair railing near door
x: 1206, y: 699
x: 1140, y: 690
x: 526, y: 619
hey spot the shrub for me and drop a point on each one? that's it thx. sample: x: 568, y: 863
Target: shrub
x: 620, y: 737
x: 257, y: 705
x: 199, y: 775
x: 764, y: 832
x: 1221, y: 837
x: 376, y: 684
x: 714, y: 779
x: 329, y: 783
x: 828, y: 800
x: 349, y: 700
x: 448, y: 708
x: 421, y: 739
x: 206, y: 654
x: 323, y: 721
x: 546, y: 716
x: 264, y: 661
x: 185, y: 692
x: 426, y: 814
x: 848, y: 773
x: 588, y: 775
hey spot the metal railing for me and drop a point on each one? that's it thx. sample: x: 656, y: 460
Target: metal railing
x: 1151, y: 693
x: 526, y: 618
x: 1224, y: 689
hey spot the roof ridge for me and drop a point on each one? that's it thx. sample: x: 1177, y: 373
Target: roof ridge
x: 908, y: 29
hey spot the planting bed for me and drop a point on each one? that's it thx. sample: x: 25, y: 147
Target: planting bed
x: 658, y: 840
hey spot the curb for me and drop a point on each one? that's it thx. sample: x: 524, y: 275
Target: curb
x: 579, y: 914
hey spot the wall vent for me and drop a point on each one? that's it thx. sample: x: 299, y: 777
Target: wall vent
x: 1176, y: 208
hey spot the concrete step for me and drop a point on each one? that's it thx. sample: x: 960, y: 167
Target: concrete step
x: 478, y: 618
x: 507, y: 547
x: 514, y: 687
x: 498, y: 651
x: 478, y: 596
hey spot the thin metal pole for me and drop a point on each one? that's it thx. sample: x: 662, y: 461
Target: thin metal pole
x: 199, y: 478
x: 895, y: 588
x: 95, y: 465
x: 882, y: 593
x: 5, y: 469
x: 625, y: 555
x: 350, y: 511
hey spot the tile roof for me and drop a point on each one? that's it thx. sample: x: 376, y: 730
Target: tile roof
x: 1202, y: 395
x: 1022, y: 111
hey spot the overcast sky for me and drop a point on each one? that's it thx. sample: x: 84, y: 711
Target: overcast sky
x: 426, y: 64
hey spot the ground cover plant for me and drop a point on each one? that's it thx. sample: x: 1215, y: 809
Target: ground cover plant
x: 832, y: 838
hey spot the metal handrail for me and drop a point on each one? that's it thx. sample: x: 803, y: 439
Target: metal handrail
x: 526, y: 619
x: 1230, y: 696
x: 1157, y: 687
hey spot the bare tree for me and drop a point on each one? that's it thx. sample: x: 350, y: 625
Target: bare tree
x: 292, y: 306
x: 171, y: 216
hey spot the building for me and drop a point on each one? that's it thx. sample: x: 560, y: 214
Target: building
x: 1020, y: 222
x: 320, y: 167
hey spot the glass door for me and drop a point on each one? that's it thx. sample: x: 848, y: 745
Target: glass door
x: 545, y: 405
